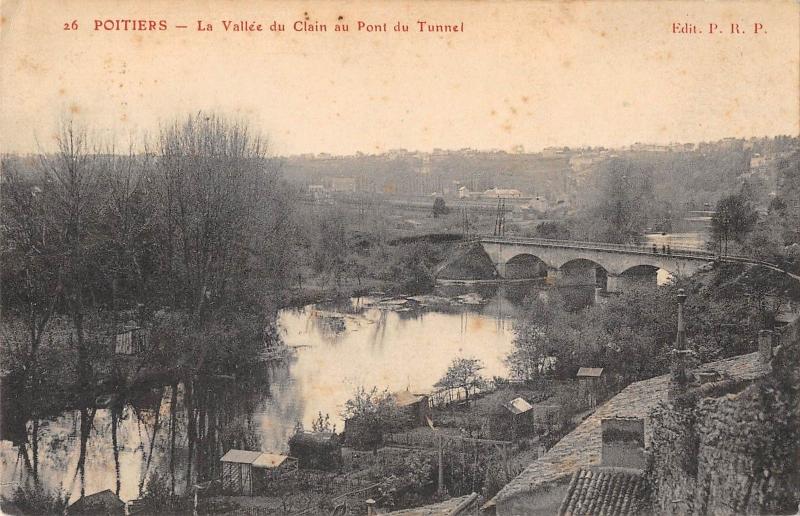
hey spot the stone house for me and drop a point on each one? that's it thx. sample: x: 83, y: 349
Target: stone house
x: 543, y: 485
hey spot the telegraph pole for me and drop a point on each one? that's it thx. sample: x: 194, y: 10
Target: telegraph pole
x: 441, y: 466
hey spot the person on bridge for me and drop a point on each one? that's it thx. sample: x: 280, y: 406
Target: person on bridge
x: 663, y: 249
x: 654, y: 249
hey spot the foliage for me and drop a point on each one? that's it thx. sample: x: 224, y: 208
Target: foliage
x: 36, y: 499
x: 734, y: 217
x: 554, y: 230
x: 369, y: 414
x: 407, y: 479
x: 412, y: 266
x: 316, y: 451
x: 463, y: 373
x: 159, y: 498
x: 631, y: 334
x: 322, y: 424
x: 439, y: 207
x: 621, y: 204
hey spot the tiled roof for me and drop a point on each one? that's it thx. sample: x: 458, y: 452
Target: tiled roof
x: 604, y: 491
x: 581, y: 447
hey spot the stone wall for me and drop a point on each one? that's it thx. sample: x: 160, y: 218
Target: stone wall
x: 733, y: 454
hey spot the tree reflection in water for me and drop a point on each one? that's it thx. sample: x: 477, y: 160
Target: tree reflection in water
x: 205, y: 415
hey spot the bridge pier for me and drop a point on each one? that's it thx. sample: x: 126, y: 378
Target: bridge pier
x: 629, y: 280
x: 577, y: 275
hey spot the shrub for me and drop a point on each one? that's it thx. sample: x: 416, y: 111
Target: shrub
x: 36, y: 499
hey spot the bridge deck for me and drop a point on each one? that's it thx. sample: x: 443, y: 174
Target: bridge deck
x: 680, y: 252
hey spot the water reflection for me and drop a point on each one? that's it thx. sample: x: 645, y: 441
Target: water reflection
x: 178, y: 431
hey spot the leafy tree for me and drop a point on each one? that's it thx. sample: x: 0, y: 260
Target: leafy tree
x: 369, y: 414
x: 439, y: 207
x: 463, y: 373
x: 734, y: 217
x: 322, y: 423
x: 620, y: 203
x: 552, y: 229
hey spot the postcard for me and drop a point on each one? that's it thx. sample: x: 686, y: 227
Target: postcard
x: 449, y: 257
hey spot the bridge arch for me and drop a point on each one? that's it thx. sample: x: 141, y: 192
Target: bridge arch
x: 582, y: 272
x: 525, y: 266
x: 646, y: 274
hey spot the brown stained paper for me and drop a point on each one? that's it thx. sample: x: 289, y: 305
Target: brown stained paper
x: 534, y: 74
x: 386, y: 91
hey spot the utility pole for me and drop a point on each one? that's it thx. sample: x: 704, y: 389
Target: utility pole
x: 441, y: 466
x: 503, y: 218
x: 680, y: 339
x: 500, y: 218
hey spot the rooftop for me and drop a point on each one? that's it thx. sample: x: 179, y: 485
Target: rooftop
x: 103, y: 502
x: 582, y: 447
x: 590, y: 371
x: 404, y: 398
x: 452, y: 507
x: 256, y: 458
x: 613, y: 492
x: 518, y: 406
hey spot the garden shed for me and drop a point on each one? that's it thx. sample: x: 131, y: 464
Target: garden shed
x: 130, y: 340
x: 415, y: 406
x: 589, y: 383
x: 521, y: 416
x: 103, y: 502
x: 247, y: 472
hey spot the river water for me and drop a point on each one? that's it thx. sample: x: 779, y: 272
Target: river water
x: 395, y: 344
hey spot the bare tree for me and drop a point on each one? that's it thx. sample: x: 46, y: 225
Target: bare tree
x: 212, y: 178
x: 71, y: 177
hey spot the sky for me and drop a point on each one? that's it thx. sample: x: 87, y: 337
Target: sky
x: 522, y: 75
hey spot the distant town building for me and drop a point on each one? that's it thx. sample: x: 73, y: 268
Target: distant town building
x: 505, y: 193
x: 318, y: 192
x: 537, y: 203
x: 343, y: 184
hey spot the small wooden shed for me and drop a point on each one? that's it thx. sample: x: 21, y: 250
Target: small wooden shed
x: 589, y: 383
x: 103, y: 502
x: 130, y: 340
x: 415, y: 406
x: 246, y: 472
x: 521, y: 416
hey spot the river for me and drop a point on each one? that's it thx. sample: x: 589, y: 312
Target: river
x: 373, y: 341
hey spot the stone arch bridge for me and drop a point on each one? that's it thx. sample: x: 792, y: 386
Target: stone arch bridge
x: 572, y: 263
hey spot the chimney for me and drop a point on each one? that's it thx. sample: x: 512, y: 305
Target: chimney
x: 680, y: 376
x: 765, y: 345
x: 623, y: 442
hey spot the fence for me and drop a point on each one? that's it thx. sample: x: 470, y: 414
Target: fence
x: 448, y: 396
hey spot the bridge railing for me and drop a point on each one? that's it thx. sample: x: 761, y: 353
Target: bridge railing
x: 629, y: 248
